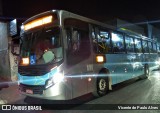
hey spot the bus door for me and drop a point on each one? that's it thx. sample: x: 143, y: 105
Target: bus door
x: 77, y: 56
x: 153, y: 56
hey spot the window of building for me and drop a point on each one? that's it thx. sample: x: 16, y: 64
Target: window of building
x: 94, y: 40
x: 150, y: 47
x: 158, y: 48
x: 103, y: 42
x: 77, y: 41
x: 154, y: 48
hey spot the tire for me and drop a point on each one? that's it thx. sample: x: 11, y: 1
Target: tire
x: 146, y: 71
x: 102, y: 86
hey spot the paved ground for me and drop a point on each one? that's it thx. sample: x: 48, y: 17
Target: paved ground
x: 130, y: 93
x: 9, y: 93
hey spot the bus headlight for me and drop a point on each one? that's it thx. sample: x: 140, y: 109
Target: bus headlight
x: 57, y: 78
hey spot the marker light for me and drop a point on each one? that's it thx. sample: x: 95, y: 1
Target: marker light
x: 89, y: 79
x: 25, y: 61
x: 38, y: 22
x: 100, y: 58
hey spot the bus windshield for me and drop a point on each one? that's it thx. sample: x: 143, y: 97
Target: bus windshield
x: 41, y: 47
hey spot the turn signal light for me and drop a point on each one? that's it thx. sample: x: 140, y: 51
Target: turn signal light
x: 25, y: 61
x: 100, y: 59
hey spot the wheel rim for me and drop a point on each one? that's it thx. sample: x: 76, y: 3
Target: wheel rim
x: 147, y: 72
x: 102, y: 85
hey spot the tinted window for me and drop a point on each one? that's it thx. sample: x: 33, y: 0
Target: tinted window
x: 138, y: 46
x: 145, y: 46
x: 118, y: 43
x: 158, y: 48
x: 129, y: 44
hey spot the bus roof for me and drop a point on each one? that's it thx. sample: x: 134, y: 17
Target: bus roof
x: 95, y: 22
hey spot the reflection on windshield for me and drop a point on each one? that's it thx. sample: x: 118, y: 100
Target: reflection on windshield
x: 42, y: 46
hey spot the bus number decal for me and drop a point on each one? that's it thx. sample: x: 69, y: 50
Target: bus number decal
x: 90, y: 67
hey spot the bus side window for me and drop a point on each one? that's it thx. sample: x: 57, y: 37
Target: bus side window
x: 118, y: 43
x: 129, y: 41
x: 138, y: 46
x: 94, y: 40
x: 69, y: 40
x: 75, y: 41
x: 158, y: 48
x: 150, y: 47
x: 145, y: 46
x: 104, y: 42
x: 101, y: 40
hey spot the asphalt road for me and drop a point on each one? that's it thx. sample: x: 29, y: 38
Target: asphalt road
x: 140, y: 94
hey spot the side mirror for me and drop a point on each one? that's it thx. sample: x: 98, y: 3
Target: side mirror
x: 15, y: 46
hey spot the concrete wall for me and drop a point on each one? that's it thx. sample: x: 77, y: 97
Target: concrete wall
x: 4, y: 53
x: 13, y: 63
x: 156, y: 34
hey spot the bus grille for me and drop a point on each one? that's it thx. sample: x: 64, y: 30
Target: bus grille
x: 37, y: 89
x: 33, y: 70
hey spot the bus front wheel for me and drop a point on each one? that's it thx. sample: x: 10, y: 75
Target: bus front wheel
x: 102, y: 83
x: 102, y: 86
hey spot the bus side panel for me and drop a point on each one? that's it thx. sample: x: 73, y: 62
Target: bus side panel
x: 153, y: 58
x: 68, y: 88
x: 119, y: 66
x: 138, y: 65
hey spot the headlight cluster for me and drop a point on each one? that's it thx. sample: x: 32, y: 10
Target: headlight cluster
x: 57, y: 78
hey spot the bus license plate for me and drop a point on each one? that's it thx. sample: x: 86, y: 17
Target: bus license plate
x: 29, y: 91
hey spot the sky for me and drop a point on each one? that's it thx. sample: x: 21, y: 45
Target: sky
x: 131, y: 10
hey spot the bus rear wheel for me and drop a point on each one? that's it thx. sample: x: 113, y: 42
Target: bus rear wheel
x: 146, y: 71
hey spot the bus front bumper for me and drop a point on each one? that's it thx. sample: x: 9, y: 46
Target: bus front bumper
x: 55, y: 92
